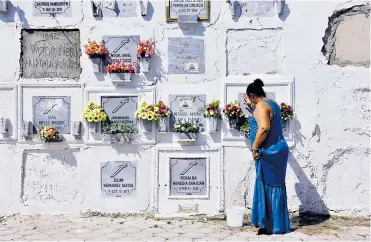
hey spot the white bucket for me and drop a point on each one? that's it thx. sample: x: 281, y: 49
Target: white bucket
x: 235, y: 216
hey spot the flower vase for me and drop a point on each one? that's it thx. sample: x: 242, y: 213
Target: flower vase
x: 145, y: 64
x: 107, y: 138
x: 127, y: 138
x: 186, y: 137
x: 163, y: 124
x: 97, y: 64
x: 121, y: 76
x: 247, y: 135
x: 146, y: 126
x: 235, y: 122
x: 212, y: 124
x: 93, y: 127
x: 232, y: 122
x: 285, y: 125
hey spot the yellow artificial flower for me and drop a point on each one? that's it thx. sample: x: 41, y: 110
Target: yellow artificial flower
x: 150, y: 117
x: 156, y: 117
x: 90, y: 118
x: 151, y: 113
x: 156, y: 109
x: 144, y: 116
x: 139, y: 115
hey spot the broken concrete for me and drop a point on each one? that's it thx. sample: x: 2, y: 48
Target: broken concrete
x: 347, y: 37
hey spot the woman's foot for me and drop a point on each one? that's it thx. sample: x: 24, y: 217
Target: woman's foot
x: 260, y: 231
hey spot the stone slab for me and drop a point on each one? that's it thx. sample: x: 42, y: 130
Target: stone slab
x: 257, y: 8
x: 120, y: 108
x: 52, y: 7
x: 52, y: 111
x: 51, y: 54
x: 50, y: 178
x: 189, y: 108
x: 118, y: 178
x: 252, y: 52
x: 188, y: 177
x: 122, y: 47
x: 185, y: 52
x: 118, y: 8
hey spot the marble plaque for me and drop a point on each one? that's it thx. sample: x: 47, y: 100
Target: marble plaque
x: 201, y: 8
x: 118, y: 8
x: 122, y: 47
x: 120, y: 109
x: 47, y: 7
x: 52, y: 111
x: 258, y: 8
x: 245, y: 109
x: 51, y: 54
x: 188, y: 177
x: 189, y: 108
x: 271, y: 95
x: 186, y: 55
x: 118, y: 178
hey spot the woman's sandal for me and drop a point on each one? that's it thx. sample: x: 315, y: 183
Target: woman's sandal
x: 260, y: 231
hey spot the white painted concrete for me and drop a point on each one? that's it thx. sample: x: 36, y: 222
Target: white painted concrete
x: 329, y: 167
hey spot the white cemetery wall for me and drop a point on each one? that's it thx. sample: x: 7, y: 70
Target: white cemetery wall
x: 328, y: 168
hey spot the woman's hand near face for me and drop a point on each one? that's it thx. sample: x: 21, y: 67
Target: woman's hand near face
x: 246, y: 100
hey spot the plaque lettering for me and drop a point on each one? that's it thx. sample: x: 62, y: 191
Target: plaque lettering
x: 118, y: 178
x: 122, y: 47
x: 52, y: 111
x: 188, y: 108
x: 200, y: 8
x: 188, y: 177
x: 120, y: 109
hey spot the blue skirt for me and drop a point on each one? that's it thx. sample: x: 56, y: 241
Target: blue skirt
x: 269, y: 208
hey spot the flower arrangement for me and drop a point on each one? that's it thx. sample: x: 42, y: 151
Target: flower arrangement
x: 146, y: 111
x: 232, y: 110
x: 120, y: 128
x: 121, y: 67
x: 95, y: 50
x: 161, y: 109
x: 246, y: 127
x: 146, y: 48
x: 94, y: 113
x: 48, y: 133
x: 286, y: 112
x: 185, y: 127
x: 212, y: 109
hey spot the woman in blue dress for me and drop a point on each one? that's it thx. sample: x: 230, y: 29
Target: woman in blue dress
x: 270, y: 152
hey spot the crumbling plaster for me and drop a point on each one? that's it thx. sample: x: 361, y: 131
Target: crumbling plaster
x: 328, y: 168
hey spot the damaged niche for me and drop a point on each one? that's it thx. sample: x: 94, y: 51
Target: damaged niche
x: 50, y: 54
x: 347, y: 37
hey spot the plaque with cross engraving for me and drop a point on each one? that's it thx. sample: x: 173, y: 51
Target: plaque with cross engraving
x: 120, y: 108
x: 118, y: 178
x: 122, y: 47
x: 188, y: 177
x: 52, y: 111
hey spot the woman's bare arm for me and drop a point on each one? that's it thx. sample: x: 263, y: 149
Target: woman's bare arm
x: 262, y: 116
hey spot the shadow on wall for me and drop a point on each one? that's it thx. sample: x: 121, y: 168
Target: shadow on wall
x: 312, y: 210
x: 10, y: 16
x: 156, y: 72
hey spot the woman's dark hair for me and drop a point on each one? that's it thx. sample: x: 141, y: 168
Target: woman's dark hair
x: 256, y: 88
